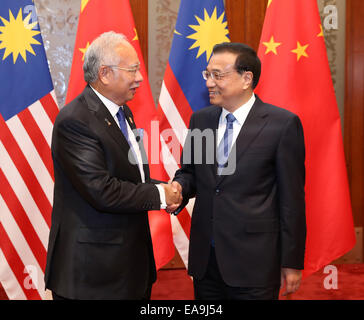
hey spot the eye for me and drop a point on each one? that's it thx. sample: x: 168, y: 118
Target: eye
x: 216, y: 75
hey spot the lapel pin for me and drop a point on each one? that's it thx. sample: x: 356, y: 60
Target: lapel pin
x: 108, y: 122
x: 131, y: 120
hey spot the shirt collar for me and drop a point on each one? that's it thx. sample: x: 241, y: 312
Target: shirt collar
x: 241, y: 113
x: 111, y: 106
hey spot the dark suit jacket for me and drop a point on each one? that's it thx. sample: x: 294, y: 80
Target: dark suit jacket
x: 99, y: 245
x: 256, y: 216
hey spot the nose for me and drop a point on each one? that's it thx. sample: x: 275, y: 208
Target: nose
x: 138, y: 76
x: 210, y: 83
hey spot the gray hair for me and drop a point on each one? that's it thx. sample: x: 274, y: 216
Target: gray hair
x: 101, y: 52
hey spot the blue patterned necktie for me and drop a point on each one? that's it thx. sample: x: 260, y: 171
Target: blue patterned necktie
x: 122, y: 122
x: 225, y: 144
x: 123, y: 126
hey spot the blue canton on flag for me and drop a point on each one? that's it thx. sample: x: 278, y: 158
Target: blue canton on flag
x: 24, y: 73
x: 200, y: 25
x: 27, y: 114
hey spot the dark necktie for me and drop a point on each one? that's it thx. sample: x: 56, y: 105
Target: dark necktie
x: 225, y: 144
x: 122, y: 122
x: 124, y: 129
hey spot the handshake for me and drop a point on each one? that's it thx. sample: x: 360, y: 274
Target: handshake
x: 173, y: 192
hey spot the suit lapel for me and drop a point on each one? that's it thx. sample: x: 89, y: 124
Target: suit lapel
x: 215, y: 117
x: 129, y: 117
x: 107, y: 121
x: 254, y: 123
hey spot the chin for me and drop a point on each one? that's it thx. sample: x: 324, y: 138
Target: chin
x: 129, y: 97
x: 214, y: 101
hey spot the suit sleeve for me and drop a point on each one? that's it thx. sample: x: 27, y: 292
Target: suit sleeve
x: 290, y: 160
x: 77, y: 150
x: 185, y: 176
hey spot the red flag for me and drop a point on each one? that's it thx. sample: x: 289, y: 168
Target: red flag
x: 97, y: 17
x: 296, y: 76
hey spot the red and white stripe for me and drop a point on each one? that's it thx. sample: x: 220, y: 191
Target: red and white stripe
x: 175, y: 113
x: 26, y: 198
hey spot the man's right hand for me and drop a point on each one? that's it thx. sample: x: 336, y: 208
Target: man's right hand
x: 173, y: 192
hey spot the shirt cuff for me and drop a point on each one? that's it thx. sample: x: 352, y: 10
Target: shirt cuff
x: 162, y: 196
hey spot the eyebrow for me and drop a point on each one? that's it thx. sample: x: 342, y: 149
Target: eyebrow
x: 217, y: 70
x: 135, y: 64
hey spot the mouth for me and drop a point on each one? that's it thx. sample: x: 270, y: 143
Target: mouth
x: 213, y: 94
x: 133, y: 90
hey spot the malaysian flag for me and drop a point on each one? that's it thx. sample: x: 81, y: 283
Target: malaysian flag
x: 27, y: 113
x: 200, y: 25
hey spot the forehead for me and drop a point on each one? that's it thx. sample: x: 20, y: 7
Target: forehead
x: 127, y: 53
x: 221, y: 60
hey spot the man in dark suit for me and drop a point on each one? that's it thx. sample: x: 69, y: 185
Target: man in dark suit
x: 100, y: 244
x: 248, y: 224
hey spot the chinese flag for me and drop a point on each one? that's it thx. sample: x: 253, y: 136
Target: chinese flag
x: 97, y: 17
x: 296, y: 76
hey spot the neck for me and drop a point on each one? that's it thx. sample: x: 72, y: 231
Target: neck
x: 240, y: 102
x: 105, y: 92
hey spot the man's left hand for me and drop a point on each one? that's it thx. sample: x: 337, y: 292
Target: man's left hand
x: 291, y: 280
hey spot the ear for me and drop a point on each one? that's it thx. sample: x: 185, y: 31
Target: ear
x: 247, y: 79
x: 104, y: 75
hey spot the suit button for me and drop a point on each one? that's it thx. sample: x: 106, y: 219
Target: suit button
x: 217, y: 191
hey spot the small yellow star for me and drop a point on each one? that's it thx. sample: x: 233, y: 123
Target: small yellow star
x: 271, y: 46
x: 83, y: 50
x: 84, y: 4
x: 269, y: 2
x: 136, y: 35
x: 321, y: 34
x: 300, y: 51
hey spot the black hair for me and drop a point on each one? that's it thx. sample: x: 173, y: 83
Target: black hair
x: 246, y: 60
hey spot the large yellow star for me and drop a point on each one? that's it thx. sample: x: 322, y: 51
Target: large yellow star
x: 208, y: 32
x: 321, y: 34
x: 17, y: 36
x: 83, y: 50
x: 300, y: 51
x: 271, y: 46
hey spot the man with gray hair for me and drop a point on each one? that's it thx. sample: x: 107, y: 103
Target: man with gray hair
x: 100, y: 243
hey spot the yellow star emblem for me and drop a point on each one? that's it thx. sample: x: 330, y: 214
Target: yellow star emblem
x: 84, y: 4
x: 83, y: 50
x: 17, y: 36
x: 269, y: 2
x: 300, y: 51
x: 136, y: 35
x: 321, y: 34
x: 208, y: 32
x: 176, y: 32
x: 272, y: 46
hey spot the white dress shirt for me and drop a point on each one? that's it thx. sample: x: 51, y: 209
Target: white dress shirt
x: 240, y: 115
x: 113, y: 109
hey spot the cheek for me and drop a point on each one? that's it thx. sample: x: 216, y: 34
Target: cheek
x: 224, y: 90
x: 123, y: 84
x: 233, y: 90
